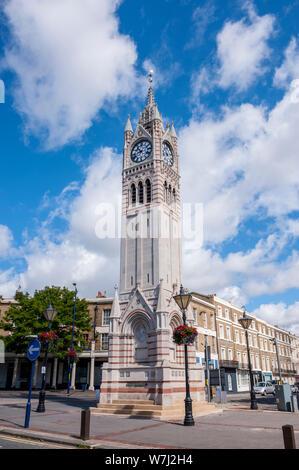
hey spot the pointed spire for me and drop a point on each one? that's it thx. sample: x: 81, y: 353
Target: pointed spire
x: 128, y: 127
x: 115, y: 311
x: 150, y: 97
x: 172, y: 131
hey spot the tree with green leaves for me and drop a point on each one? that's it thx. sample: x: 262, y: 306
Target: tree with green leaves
x: 26, y: 318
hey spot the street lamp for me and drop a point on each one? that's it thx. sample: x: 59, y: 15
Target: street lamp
x: 71, y: 359
x: 49, y: 314
x: 277, y: 355
x: 245, y: 322
x: 182, y: 300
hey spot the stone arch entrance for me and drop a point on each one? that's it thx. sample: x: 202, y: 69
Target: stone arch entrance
x: 138, y: 326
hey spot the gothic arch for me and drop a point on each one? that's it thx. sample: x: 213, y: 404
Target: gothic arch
x: 133, y: 194
x: 138, y: 325
x: 140, y: 192
x: 148, y: 191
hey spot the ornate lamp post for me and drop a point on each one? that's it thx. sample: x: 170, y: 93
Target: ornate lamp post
x: 50, y: 313
x: 182, y: 300
x: 245, y: 322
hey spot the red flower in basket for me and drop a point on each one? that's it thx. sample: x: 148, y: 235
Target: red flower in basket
x: 184, y: 334
x: 71, y: 353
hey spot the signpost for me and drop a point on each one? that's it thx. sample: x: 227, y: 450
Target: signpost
x: 33, y: 352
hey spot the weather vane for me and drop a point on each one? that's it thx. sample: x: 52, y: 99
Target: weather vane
x: 150, y: 75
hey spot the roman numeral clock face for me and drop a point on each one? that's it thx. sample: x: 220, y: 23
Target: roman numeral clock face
x: 141, y: 151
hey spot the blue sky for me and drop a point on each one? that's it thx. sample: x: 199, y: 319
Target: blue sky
x: 226, y: 73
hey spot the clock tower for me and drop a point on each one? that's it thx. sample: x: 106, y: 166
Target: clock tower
x: 143, y: 362
x: 151, y: 233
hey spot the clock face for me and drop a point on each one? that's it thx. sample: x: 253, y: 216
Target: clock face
x: 167, y: 154
x: 141, y: 151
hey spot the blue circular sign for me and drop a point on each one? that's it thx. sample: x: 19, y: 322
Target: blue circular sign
x: 33, y: 350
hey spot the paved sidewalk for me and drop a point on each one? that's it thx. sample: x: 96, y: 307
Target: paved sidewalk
x: 232, y: 428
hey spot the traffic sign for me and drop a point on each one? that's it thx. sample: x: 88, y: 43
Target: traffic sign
x: 33, y: 350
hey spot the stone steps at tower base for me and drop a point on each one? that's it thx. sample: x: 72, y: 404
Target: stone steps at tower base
x: 150, y: 410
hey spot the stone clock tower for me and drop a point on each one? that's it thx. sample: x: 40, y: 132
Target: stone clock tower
x: 144, y: 365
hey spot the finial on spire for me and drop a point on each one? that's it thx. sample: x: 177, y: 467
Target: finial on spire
x: 150, y: 75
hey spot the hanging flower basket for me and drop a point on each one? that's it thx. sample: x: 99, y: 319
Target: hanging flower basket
x: 48, y: 339
x: 71, y: 353
x: 184, y: 335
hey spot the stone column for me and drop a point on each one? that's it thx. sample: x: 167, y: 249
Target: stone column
x: 92, y: 360
x: 54, y: 378
x: 15, y: 372
x: 73, y: 379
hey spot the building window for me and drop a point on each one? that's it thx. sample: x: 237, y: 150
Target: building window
x: 205, y: 322
x: 243, y: 337
x: 250, y: 340
x: 195, y: 315
x: 237, y: 337
x: 106, y: 316
x: 212, y: 322
x: 235, y: 318
x: 221, y: 331
x: 105, y: 341
x: 219, y: 311
x: 223, y: 354
x: 228, y: 333
x: 227, y: 314
x: 148, y: 187
x: 230, y: 355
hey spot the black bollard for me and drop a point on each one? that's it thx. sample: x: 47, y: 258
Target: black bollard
x: 288, y: 436
x: 85, y: 424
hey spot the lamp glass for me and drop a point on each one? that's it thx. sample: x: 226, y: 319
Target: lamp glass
x: 50, y: 313
x: 245, y: 322
x: 183, y: 300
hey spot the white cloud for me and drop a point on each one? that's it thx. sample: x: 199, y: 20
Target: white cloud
x: 76, y: 255
x: 242, y: 53
x: 70, y: 61
x: 286, y: 317
x: 6, y: 238
x: 245, y: 161
x: 289, y: 70
x: 242, y: 49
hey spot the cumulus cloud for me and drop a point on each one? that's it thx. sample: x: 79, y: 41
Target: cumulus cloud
x: 77, y: 254
x: 289, y: 70
x: 70, y: 61
x: 286, y: 316
x: 242, y: 50
x: 6, y: 238
x: 242, y: 54
x: 246, y: 167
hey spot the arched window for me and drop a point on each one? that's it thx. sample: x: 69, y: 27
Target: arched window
x: 165, y: 192
x: 140, y: 192
x: 133, y: 193
x: 148, y: 187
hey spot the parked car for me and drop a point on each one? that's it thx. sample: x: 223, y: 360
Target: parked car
x: 265, y: 388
